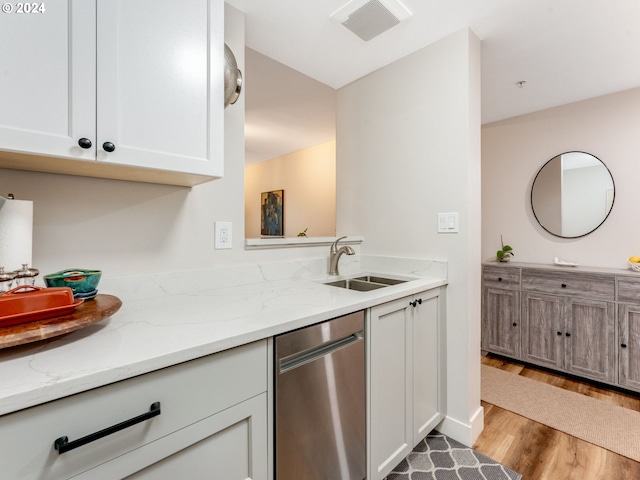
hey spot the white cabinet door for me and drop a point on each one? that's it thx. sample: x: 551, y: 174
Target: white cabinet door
x: 406, y: 368
x: 390, y: 387
x: 231, y: 445
x: 47, y: 79
x: 198, y: 399
x: 428, y: 363
x: 133, y: 87
x: 160, y: 84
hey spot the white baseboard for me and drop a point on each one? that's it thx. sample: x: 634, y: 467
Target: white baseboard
x: 465, y: 433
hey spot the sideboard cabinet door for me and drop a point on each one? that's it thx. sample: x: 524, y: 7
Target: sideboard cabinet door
x: 501, y: 321
x: 590, y: 343
x: 629, y: 345
x: 543, y: 329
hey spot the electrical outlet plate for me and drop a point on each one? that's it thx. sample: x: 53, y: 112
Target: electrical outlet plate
x: 223, y: 235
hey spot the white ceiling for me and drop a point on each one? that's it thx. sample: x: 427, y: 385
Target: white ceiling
x: 565, y: 50
x: 285, y: 111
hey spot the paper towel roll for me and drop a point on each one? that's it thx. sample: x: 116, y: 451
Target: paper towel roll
x: 16, y: 234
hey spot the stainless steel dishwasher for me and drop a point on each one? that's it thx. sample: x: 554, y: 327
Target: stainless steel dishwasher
x: 320, y: 401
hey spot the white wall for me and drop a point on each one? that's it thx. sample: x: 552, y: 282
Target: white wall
x: 308, y: 178
x: 514, y: 149
x: 408, y: 147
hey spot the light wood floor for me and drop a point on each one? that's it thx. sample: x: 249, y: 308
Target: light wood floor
x: 539, y: 452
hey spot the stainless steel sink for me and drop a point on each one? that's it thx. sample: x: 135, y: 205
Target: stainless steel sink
x: 378, y: 279
x: 353, y: 284
x: 366, y: 283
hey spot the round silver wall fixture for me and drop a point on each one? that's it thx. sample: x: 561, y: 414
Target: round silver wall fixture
x: 232, y: 78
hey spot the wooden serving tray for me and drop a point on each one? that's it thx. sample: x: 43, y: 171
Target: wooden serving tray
x: 87, y: 313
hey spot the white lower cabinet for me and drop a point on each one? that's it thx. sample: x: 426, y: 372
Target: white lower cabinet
x: 428, y: 364
x: 406, y: 392
x: 211, y: 425
x: 230, y: 445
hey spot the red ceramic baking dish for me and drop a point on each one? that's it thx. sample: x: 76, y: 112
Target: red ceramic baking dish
x: 29, y: 303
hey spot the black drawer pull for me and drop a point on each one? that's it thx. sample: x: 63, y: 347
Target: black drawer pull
x: 515, y: 324
x: 623, y: 345
x: 499, y: 279
x: 559, y: 334
x: 568, y: 334
x: 564, y: 285
x: 63, y: 444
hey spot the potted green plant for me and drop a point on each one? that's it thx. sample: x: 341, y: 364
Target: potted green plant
x: 505, y: 253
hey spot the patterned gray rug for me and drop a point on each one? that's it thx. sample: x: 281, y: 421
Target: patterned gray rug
x: 439, y: 457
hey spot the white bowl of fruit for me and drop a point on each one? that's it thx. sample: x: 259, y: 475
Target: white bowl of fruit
x: 634, y: 263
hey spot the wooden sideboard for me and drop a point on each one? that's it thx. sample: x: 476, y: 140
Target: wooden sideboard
x: 578, y: 320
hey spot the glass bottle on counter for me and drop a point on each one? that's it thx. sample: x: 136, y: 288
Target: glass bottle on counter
x: 26, y: 276
x: 6, y: 280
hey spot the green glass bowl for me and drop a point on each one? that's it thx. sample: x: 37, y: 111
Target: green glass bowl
x: 78, y: 279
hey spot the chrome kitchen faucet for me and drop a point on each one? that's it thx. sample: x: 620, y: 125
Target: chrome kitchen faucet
x: 335, y: 253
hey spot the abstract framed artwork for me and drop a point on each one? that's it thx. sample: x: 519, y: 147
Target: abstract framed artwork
x: 272, y: 214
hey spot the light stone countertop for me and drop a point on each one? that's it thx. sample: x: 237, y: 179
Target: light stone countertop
x: 174, y: 317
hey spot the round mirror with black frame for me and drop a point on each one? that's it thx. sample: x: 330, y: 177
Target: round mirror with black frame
x: 572, y: 194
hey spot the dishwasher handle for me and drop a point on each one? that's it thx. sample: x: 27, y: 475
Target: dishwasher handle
x: 302, y: 358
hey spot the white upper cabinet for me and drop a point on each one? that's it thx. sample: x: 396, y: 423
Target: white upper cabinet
x: 131, y: 88
x: 160, y: 84
x: 48, y: 80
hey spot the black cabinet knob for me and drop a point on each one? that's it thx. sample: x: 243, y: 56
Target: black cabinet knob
x: 568, y: 334
x: 559, y: 334
x: 514, y: 324
x: 84, y: 143
x: 564, y: 285
x: 108, y: 147
x: 499, y: 279
x: 623, y: 345
x: 419, y: 301
x: 413, y: 304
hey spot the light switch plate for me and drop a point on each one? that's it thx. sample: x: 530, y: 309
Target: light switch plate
x: 448, y: 222
x: 223, y: 235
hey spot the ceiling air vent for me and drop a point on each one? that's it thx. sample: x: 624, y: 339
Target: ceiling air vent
x: 369, y: 18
